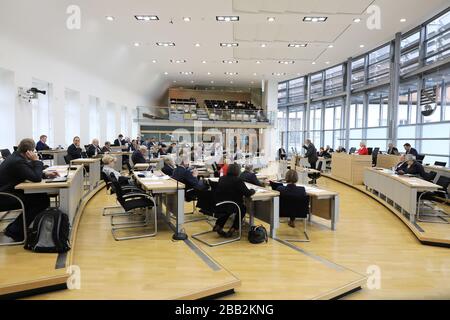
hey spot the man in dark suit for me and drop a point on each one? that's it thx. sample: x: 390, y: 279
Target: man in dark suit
x: 74, y: 150
x: 231, y: 188
x: 410, y: 150
x: 311, y: 153
x: 120, y: 141
x: 249, y: 176
x: 22, y: 165
x: 188, y: 177
x: 412, y: 167
x: 41, y: 145
x: 138, y: 156
x: 392, y: 150
x: 107, y: 147
x: 94, y: 149
x: 169, y: 166
x: 282, y: 154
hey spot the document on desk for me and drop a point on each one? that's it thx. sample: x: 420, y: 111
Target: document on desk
x: 153, y: 182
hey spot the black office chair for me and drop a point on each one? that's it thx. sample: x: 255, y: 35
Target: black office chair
x: 131, y: 202
x: 440, y: 164
x: 420, y: 158
x: 6, y: 211
x: 67, y: 159
x: 15, y: 148
x: 298, y: 207
x: 370, y: 150
x: 375, y: 153
x: 316, y: 175
x: 5, y: 153
x: 352, y: 150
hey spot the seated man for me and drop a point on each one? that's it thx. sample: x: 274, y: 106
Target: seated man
x: 391, y: 149
x: 138, y: 156
x: 107, y: 147
x: 293, y: 199
x: 324, y: 153
x: 231, y: 188
x: 74, y: 150
x: 401, y: 165
x: 94, y: 149
x: 41, y: 145
x: 249, y: 176
x: 23, y: 165
x: 412, y: 167
x: 410, y: 150
x: 169, y: 166
x: 188, y: 177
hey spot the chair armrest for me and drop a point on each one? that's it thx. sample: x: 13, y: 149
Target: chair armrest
x: 138, y: 195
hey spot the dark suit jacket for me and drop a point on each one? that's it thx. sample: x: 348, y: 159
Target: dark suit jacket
x: 401, y: 166
x: 293, y: 201
x: 167, y: 170
x: 137, y: 157
x: 232, y: 188
x: 394, y: 150
x: 250, y: 177
x: 16, y: 169
x: 73, y: 152
x: 413, y: 152
x: 91, y: 151
x: 41, y: 146
x: 311, y: 153
x: 185, y: 176
x: 106, y: 149
x: 119, y: 143
x: 416, y: 168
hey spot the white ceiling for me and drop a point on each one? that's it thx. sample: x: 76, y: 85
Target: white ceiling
x: 106, y: 48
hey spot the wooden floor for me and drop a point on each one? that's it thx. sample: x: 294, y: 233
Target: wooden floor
x: 368, y: 234
x: 427, y: 233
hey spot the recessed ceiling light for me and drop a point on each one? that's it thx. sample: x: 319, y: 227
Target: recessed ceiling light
x: 258, y: 62
x: 331, y: 46
x: 297, y: 45
x: 231, y: 82
x: 166, y: 73
x: 227, y: 18
x: 197, y: 45
x: 204, y: 61
x: 178, y: 61
x: 146, y: 17
x: 230, y: 61
x: 186, y: 73
x: 263, y: 45
x: 402, y: 20
x: 174, y: 81
x: 137, y: 44
x: 357, y: 20
x: 229, y: 45
x: 209, y: 73
x: 255, y: 74
x: 212, y: 81
x: 271, y: 19
x: 315, y: 19
x: 109, y: 18
x: 327, y: 62
x: 252, y: 82
x: 186, y: 19
x: 361, y: 46
x: 165, y: 44
x: 192, y: 81
x: 286, y: 62
x: 231, y: 73
x: 313, y: 62
x: 154, y: 61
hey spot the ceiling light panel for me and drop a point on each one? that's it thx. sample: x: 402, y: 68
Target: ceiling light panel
x: 297, y: 45
x: 165, y: 44
x: 315, y: 19
x: 227, y: 18
x: 146, y: 17
x: 230, y: 61
x: 178, y: 61
x: 286, y: 62
x: 229, y: 44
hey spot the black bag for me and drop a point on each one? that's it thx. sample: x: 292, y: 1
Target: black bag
x: 49, y: 232
x: 257, y: 234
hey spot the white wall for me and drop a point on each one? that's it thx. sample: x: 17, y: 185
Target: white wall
x: 28, y: 63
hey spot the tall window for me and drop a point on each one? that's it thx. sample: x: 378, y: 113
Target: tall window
x: 282, y: 93
x: 334, y: 80
x: 317, y: 85
x: 124, y: 120
x: 41, y: 112
x: 296, y: 121
x: 315, y: 123
x: 409, y: 55
x: 358, y: 73
x: 72, y: 115
x: 94, y: 118
x: 332, y: 124
x: 111, y: 121
x: 377, y: 114
x: 7, y: 109
x: 379, y: 65
x: 282, y: 128
x: 356, y: 120
x: 297, y: 90
x: 437, y: 42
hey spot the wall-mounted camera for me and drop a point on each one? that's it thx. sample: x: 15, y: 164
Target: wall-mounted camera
x: 30, y: 94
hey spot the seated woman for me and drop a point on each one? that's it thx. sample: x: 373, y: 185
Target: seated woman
x: 293, y: 199
x: 362, y: 151
x: 108, y: 168
x: 412, y: 167
x: 231, y: 188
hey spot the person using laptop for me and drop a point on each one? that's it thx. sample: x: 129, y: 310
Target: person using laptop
x: 23, y: 165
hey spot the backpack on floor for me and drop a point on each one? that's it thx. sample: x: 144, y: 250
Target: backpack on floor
x: 257, y: 234
x: 49, y: 232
